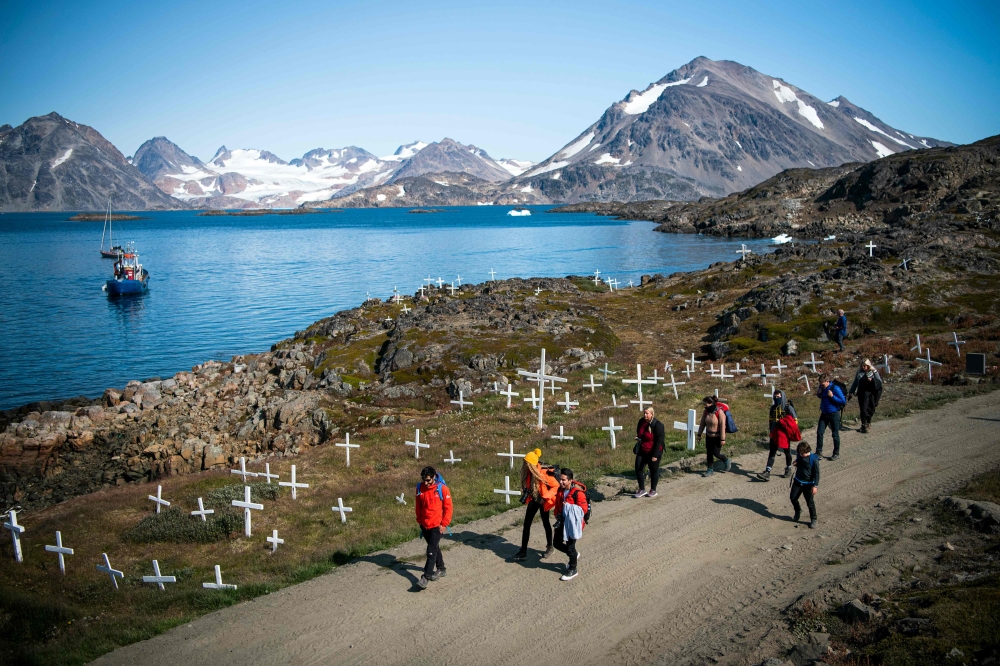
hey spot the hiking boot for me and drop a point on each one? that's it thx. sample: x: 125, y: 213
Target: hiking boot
x: 640, y: 493
x: 548, y: 552
x: 765, y: 475
x: 835, y: 456
x: 864, y: 428
x: 708, y: 472
x: 729, y: 465
x: 441, y: 573
x: 788, y: 472
x: 520, y: 556
x: 812, y: 524
x: 795, y: 518
x: 422, y: 583
x: 652, y: 494
x: 569, y: 575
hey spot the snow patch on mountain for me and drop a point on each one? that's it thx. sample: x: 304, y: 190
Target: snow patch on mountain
x: 577, y: 146
x: 644, y: 100
x: 607, y: 159
x: 515, y: 167
x: 704, y: 82
x: 881, y: 149
x: 548, y: 167
x: 835, y: 103
x: 786, y: 94
x: 405, y: 152
x: 886, y: 135
x: 62, y: 158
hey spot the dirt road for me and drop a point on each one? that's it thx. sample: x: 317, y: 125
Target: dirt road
x: 677, y: 579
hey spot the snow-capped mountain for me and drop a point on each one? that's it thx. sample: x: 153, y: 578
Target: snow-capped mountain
x: 515, y: 167
x: 405, y: 152
x: 711, y: 128
x: 448, y: 155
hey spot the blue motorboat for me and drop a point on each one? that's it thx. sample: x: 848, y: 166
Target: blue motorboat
x: 130, y: 277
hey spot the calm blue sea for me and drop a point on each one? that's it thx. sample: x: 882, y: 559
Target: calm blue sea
x: 221, y: 286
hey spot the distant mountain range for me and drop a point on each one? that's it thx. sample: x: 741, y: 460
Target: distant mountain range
x: 709, y: 128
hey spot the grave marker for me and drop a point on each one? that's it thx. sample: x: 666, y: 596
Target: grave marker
x: 561, y: 437
x: 871, y: 248
x: 506, y: 492
x: 806, y: 377
x: 113, y: 573
x: 342, y: 510
x: 160, y: 502
x: 242, y: 471
x: 459, y: 278
x: 247, y: 505
x: 511, y: 455
x: 218, y: 584
x: 779, y: 367
x: 267, y: 473
x: 452, y: 288
x: 905, y: 264
x: 542, y: 378
x: 763, y: 375
x: 347, y: 446
x: 930, y: 363
x: 460, y: 402
x: 292, y: 484
x: 538, y: 290
x: 533, y: 400
x: 157, y: 578
x: 957, y: 344
x: 885, y: 364
x: 744, y: 251
x: 674, y: 384
x: 401, y: 498
x: 15, y: 533
x: 597, y: 278
x: 492, y: 275
x: 639, y: 381
x: 61, y: 551
x: 274, y: 541
x: 813, y: 363
x: 607, y: 372
x: 919, y: 349
x: 722, y: 372
x: 738, y: 370
x: 451, y: 458
x: 592, y: 385
x: 611, y: 428
x: 509, y: 392
x: 690, y: 427
x: 202, y: 511
x: 614, y: 402
x: 568, y: 403
x: 417, y: 445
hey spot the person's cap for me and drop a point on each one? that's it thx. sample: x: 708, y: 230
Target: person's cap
x: 531, y: 457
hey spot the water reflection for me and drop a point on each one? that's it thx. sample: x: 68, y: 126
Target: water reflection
x: 127, y: 310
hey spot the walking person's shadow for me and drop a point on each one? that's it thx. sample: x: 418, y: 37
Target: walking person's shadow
x: 503, y: 549
x: 393, y: 563
x: 752, y: 505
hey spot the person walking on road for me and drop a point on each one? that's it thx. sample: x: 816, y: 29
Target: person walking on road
x: 648, y: 452
x: 713, y: 425
x: 434, y: 509
x: 783, y: 427
x: 805, y: 483
x: 840, y: 329
x: 571, y: 512
x: 832, y: 400
x: 868, y: 387
x: 539, y: 487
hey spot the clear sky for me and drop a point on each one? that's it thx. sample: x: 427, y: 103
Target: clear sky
x: 519, y: 79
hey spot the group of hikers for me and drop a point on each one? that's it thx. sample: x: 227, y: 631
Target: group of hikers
x: 547, y: 487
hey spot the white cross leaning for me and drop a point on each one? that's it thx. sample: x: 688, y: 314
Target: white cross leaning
x: 871, y: 248
x: 61, y: 551
x: 744, y: 251
x: 905, y: 264
x: 291, y: 484
x: 674, y: 384
x: 611, y: 285
x: 115, y: 574
x: 274, y: 541
x: 421, y: 289
x: 429, y: 280
x: 417, y: 445
x: 401, y: 498
x: 460, y: 402
x: 511, y: 455
x: 611, y: 428
x: 929, y: 362
x: 779, y: 367
x: 246, y: 505
x: 668, y: 367
x: 957, y: 344
x: 347, y: 446
x: 597, y: 277
x: 451, y: 458
x: 242, y: 471
x: 492, y: 275
x: 813, y: 363
x: 607, y: 372
x: 689, y: 427
x: 561, y: 436
x: 158, y: 578
x: 885, y: 364
x: 342, y: 510
x: 688, y: 370
x: 15, y: 534
x: 202, y: 511
x: 542, y: 378
x: 160, y: 502
x: 919, y: 349
x: 267, y: 473
x: 630, y: 285
x: 614, y: 402
x: 771, y: 394
x: 806, y: 377
x: 459, y: 278
x: 764, y: 375
x: 506, y: 492
x: 218, y: 584
x: 405, y: 309
x: 568, y: 403
x: 738, y: 370
x: 592, y: 385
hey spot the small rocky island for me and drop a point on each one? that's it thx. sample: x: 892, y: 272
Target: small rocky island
x: 100, y: 217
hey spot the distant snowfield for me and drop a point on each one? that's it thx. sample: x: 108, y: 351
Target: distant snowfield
x: 607, y: 159
x: 515, y: 167
x: 577, y: 146
x: 548, y: 167
x: 644, y: 100
x: 62, y: 158
x: 881, y: 150
x: 704, y: 82
x: 786, y: 94
x: 886, y: 135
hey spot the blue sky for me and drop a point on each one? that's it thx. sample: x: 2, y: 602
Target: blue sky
x: 517, y: 79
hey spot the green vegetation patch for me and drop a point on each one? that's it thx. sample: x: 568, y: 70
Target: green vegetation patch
x: 176, y: 526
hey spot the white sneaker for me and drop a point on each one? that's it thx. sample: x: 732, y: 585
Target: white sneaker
x: 641, y: 493
x: 569, y: 575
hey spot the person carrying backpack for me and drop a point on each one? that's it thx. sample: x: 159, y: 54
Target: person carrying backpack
x: 868, y: 387
x: 572, y: 512
x: 784, y: 429
x: 713, y: 425
x: 539, y: 487
x: 434, y: 508
x: 805, y: 482
x: 648, y: 451
x: 832, y: 401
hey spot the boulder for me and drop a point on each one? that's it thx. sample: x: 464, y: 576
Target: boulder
x: 856, y: 611
x: 790, y: 348
x: 456, y: 385
x: 718, y: 350
x: 55, y: 420
x: 111, y: 397
x: 214, y: 456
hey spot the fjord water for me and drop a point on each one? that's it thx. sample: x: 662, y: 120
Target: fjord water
x: 221, y: 286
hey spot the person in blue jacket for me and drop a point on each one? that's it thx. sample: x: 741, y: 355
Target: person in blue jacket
x: 805, y: 483
x: 840, y: 329
x: 831, y: 401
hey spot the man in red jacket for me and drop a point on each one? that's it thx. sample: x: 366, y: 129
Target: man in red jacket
x: 433, y: 506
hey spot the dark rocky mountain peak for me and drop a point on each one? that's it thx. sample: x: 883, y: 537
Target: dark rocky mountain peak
x: 449, y: 155
x: 159, y: 156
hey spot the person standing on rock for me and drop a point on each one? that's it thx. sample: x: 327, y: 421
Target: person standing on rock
x: 782, y: 433
x: 868, y: 387
x: 434, y: 510
x: 571, y: 511
x: 840, y: 329
x: 805, y: 483
x: 831, y: 401
x: 713, y: 425
x: 648, y: 451
x: 539, y: 487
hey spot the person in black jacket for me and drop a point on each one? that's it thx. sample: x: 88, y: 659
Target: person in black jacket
x: 868, y: 387
x: 806, y: 482
x: 648, y: 452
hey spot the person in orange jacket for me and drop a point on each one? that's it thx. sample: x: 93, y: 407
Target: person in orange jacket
x: 434, y: 509
x: 571, y: 517
x: 539, y: 487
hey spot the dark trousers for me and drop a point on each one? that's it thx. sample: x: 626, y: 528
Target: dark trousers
x: 646, y: 460
x: 773, y: 450
x: 713, y: 449
x: 799, y: 490
x: 529, y: 517
x: 838, y: 337
x: 866, y: 404
x: 433, y: 539
x: 567, y: 546
x: 833, y: 422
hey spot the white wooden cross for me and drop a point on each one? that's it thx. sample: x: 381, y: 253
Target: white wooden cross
x: 597, y: 278
x: 347, y: 446
x: 452, y: 288
x: 421, y: 290
x: 738, y: 370
x: 607, y: 372
x: 342, y: 510
x: 656, y: 376
x: 158, y: 578
x: 614, y: 402
x: 401, y: 498
x: 61, y: 551
x: 511, y: 455
x: 506, y: 492
x: 460, y: 402
x: 218, y: 584
x: 15, y: 534
x: 771, y: 394
x: 451, y: 458
x: 115, y: 574
x: 202, y: 511
x: 711, y: 370
x: 274, y: 541
x: 919, y: 349
x: 429, y: 280
x: 561, y: 436
x: 674, y: 384
x: 551, y: 388
x: 692, y: 362
x: 611, y: 285
x: 688, y: 370
x: 722, y: 372
x: 538, y: 290
x: 592, y: 385
x: 291, y: 484
x: 542, y: 378
x: 267, y: 473
x: 630, y: 285
x: 242, y: 471
x: 492, y: 275
x: 929, y: 362
x: 440, y: 282
x: 405, y: 309
x: 459, y: 278
x: 247, y: 505
x: 689, y: 427
x: 160, y: 502
x: 395, y: 294
x: 871, y: 248
x: 417, y: 445
x: 957, y: 344
x: 509, y: 392
x: 813, y: 363
x: 806, y: 377
x: 744, y: 251
x: 668, y: 367
x: 568, y: 403
x: 905, y: 263
x: 764, y: 375
x: 611, y: 428
x: 533, y: 399
x: 639, y: 381
x: 779, y: 367
x: 885, y: 364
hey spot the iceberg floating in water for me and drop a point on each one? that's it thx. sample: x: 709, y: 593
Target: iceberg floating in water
x: 781, y: 239
x: 519, y: 212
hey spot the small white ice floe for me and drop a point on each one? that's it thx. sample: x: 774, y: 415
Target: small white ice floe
x: 519, y: 212
x: 781, y: 239
x: 833, y: 237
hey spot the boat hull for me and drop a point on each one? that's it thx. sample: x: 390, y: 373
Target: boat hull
x: 120, y: 287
